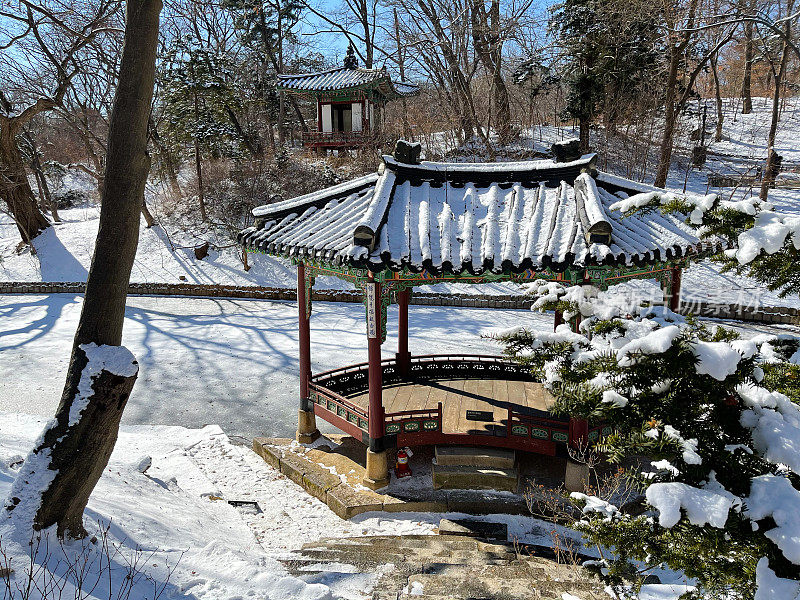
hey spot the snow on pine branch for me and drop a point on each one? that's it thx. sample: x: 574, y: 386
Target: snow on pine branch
x: 708, y: 505
x: 769, y: 232
x: 698, y: 205
x: 688, y: 396
x: 773, y: 496
x: 774, y: 421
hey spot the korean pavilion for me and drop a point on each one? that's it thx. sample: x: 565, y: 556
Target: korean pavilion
x: 350, y: 101
x: 417, y: 223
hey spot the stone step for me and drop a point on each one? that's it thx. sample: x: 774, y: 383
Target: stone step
x: 444, y: 567
x: 461, y: 477
x: 475, y: 457
x: 472, y: 528
x: 511, y: 581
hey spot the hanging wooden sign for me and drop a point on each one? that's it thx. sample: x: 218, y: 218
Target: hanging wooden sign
x: 372, y: 316
x: 480, y: 415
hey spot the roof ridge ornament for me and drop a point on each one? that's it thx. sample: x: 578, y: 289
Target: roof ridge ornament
x: 407, y: 152
x: 566, y: 150
x: 350, y: 60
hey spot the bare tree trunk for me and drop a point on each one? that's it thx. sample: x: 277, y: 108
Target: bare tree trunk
x: 583, y: 135
x: 255, y: 149
x: 198, y: 165
x: 747, y: 98
x: 670, y: 117
x: 41, y: 179
x: 281, y: 118
x: 778, y: 74
x: 166, y: 157
x: 43, y: 203
x: 14, y: 186
x: 77, y: 446
x: 458, y: 81
x: 407, y: 133
x: 148, y: 216
x: 488, y: 44
x: 718, y: 97
x: 672, y: 101
x: 16, y: 191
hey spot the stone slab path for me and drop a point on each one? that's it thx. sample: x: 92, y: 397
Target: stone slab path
x: 445, y: 567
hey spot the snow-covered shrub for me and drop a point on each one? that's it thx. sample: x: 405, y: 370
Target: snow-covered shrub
x: 67, y: 198
x: 761, y: 243
x: 48, y: 568
x: 721, y: 489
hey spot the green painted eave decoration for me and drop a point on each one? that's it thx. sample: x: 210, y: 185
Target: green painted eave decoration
x: 601, y: 276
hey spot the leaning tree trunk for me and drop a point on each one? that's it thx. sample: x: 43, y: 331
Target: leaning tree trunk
x: 77, y: 446
x: 770, y: 169
x: 718, y: 99
x: 670, y: 118
x: 41, y: 180
x: 749, y: 54
x: 15, y: 189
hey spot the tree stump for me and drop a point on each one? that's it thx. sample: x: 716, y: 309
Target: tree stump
x: 201, y: 251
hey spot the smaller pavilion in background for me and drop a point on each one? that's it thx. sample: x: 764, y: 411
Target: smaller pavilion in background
x: 419, y: 223
x: 350, y: 101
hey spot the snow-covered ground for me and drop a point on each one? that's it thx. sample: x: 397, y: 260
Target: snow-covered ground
x: 228, y: 362
x: 164, y: 502
x: 176, y: 515
x: 744, y: 136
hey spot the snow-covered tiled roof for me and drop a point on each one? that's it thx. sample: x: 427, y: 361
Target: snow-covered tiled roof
x: 472, y: 217
x: 346, y: 78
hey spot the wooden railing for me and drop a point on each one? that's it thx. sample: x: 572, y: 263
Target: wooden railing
x: 536, y: 427
x: 337, y: 138
x: 354, y: 378
x: 529, y: 429
x: 595, y: 433
x: 346, y: 415
x: 414, y: 421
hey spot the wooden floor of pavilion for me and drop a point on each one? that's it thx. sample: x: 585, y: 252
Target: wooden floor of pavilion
x: 461, y: 395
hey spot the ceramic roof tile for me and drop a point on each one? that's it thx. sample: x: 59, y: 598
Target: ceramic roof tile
x: 344, y: 78
x: 494, y: 217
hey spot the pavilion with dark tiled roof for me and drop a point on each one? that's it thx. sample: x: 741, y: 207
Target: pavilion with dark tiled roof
x: 416, y: 224
x: 349, y: 100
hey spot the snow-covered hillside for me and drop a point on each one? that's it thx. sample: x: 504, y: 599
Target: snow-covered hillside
x: 64, y: 253
x: 163, y: 499
x: 166, y: 255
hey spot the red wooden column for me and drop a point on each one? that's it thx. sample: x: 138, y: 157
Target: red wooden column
x: 377, y: 467
x: 403, y: 355
x: 307, y: 430
x: 578, y: 432
x: 576, y: 474
x: 675, y: 291
x: 558, y: 319
x: 374, y: 356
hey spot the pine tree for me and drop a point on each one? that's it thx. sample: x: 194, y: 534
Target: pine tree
x: 200, y: 100
x: 712, y: 451
x: 609, y: 52
x: 266, y: 26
